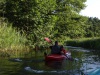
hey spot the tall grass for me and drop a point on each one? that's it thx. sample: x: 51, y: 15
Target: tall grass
x: 11, y: 41
x: 91, y: 43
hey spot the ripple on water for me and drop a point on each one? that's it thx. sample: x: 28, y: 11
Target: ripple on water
x: 69, y: 72
x: 88, y: 67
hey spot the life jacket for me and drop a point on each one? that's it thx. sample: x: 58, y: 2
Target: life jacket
x: 55, y: 49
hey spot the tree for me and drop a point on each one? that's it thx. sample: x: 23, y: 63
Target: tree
x: 46, y: 18
x: 34, y: 17
x: 69, y: 22
x: 94, y: 27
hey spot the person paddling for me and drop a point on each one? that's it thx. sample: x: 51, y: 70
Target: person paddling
x: 55, y: 49
x: 65, y: 52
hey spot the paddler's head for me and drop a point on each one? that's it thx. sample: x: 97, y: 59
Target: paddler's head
x: 56, y: 42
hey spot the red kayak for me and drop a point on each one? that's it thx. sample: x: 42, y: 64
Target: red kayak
x: 55, y: 57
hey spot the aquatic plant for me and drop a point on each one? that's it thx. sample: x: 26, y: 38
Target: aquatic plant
x: 12, y: 42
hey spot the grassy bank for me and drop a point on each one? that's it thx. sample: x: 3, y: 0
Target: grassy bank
x: 90, y: 43
x: 12, y: 42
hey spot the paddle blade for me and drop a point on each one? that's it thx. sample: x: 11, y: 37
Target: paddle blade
x: 47, y: 39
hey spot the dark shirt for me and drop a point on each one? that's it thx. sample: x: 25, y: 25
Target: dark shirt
x: 55, y: 49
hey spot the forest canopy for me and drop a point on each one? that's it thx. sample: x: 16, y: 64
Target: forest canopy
x: 56, y: 19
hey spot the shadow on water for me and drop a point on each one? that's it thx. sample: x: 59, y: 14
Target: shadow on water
x: 54, y: 64
x: 34, y: 64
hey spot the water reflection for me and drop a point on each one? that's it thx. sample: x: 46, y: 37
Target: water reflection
x: 85, y: 62
x: 54, y: 64
x: 53, y: 72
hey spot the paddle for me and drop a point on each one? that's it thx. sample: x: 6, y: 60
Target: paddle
x: 48, y: 40
x: 66, y: 53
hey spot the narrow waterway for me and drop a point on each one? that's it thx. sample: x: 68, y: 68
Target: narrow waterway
x: 85, y: 61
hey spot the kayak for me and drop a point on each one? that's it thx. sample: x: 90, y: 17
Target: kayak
x: 95, y: 72
x: 55, y: 57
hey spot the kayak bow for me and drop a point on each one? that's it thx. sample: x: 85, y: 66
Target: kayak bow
x: 55, y: 57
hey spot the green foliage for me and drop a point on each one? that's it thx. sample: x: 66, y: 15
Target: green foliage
x: 56, y: 19
x: 33, y: 16
x: 93, y: 29
x: 70, y: 23
x: 91, y: 43
x: 11, y: 39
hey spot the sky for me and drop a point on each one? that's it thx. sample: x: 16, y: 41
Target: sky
x: 92, y: 9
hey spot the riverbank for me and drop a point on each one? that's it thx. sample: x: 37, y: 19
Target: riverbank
x: 12, y: 42
x: 89, y: 43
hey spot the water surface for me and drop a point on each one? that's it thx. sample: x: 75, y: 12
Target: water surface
x: 34, y: 64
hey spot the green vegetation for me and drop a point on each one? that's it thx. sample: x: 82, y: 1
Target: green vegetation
x: 36, y: 19
x: 56, y: 19
x: 11, y: 41
x: 90, y: 43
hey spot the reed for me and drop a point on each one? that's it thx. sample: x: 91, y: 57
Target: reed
x: 90, y: 43
x: 11, y: 41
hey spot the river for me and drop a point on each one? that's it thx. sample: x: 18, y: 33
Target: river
x: 85, y: 61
